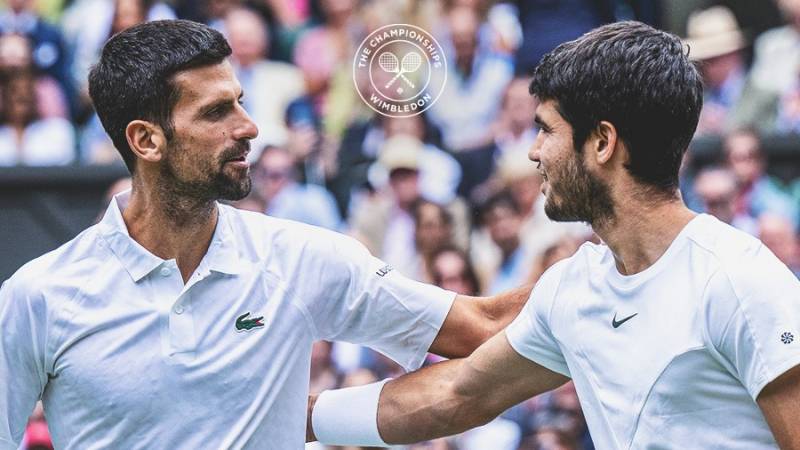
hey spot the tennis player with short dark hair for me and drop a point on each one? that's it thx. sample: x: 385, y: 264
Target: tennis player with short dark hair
x: 679, y: 332
x: 178, y: 322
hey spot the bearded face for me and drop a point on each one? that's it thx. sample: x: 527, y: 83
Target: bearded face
x: 206, y: 176
x: 575, y: 194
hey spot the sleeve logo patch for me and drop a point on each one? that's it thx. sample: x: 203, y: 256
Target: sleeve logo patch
x: 787, y: 338
x: 384, y: 270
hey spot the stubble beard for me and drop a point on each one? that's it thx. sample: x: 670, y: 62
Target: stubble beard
x: 578, y: 196
x: 218, y: 186
x: 192, y: 200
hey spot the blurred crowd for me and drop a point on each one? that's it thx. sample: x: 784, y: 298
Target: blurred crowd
x: 448, y: 196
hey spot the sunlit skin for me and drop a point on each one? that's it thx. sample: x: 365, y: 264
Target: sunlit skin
x: 172, y: 210
x: 571, y: 191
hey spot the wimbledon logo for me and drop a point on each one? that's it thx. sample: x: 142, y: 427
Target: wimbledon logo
x: 399, y: 70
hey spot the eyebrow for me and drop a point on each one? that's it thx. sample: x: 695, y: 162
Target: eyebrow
x: 217, y: 103
x: 540, y: 122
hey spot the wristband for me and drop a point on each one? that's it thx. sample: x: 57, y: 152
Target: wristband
x: 349, y: 416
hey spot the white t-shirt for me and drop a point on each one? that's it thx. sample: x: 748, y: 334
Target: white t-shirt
x: 124, y: 355
x: 674, y: 356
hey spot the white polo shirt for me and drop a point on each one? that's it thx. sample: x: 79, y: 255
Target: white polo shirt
x: 672, y: 357
x: 124, y: 355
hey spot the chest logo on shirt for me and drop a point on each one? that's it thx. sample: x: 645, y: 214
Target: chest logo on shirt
x: 616, y: 324
x: 245, y: 324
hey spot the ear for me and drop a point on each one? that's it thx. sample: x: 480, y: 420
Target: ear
x: 146, y: 139
x: 605, y: 142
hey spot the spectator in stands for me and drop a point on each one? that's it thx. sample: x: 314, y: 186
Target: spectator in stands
x: 324, y: 374
x: 440, y: 173
x: 477, y: 77
x: 433, y: 229
x: 48, y: 48
x: 779, y: 235
x: 547, y: 23
x: 715, y: 40
x: 324, y: 54
x: 777, y: 52
x: 25, y: 137
x: 16, y: 55
x: 384, y: 221
x: 513, y: 132
x: 276, y: 189
x: 111, y: 18
x: 716, y: 189
x: 314, y: 152
x: 451, y: 269
x: 563, y: 248
x: 517, y: 175
x: 269, y: 86
x: 552, y: 438
x: 758, y: 193
x: 503, y: 219
x: 107, y: 18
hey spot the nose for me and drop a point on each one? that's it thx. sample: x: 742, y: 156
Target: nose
x: 534, y: 154
x: 247, y: 129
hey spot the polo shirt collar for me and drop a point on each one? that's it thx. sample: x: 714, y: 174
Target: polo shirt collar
x: 221, y: 256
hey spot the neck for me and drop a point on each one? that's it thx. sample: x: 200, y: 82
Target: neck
x: 171, y: 227
x: 641, y: 231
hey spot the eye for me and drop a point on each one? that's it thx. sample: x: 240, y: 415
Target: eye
x: 218, y: 111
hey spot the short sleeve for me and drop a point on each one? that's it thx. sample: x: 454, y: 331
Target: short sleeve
x: 752, y: 318
x: 362, y: 300
x: 22, y: 373
x: 531, y: 333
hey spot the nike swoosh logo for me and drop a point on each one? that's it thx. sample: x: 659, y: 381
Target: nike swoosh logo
x: 616, y: 324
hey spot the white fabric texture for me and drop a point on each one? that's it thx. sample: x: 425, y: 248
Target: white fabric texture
x: 124, y: 355
x: 717, y: 317
x: 349, y: 416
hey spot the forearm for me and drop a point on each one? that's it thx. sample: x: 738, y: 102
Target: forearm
x: 429, y: 403
x: 503, y: 308
x: 439, y: 400
x: 413, y: 408
x: 474, y: 320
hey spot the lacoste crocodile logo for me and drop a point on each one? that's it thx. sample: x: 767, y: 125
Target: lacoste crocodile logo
x: 245, y: 324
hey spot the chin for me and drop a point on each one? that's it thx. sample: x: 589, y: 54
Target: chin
x: 234, y: 190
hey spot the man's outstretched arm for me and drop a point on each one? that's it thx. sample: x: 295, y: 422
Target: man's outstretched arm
x: 447, y: 398
x: 473, y: 320
x: 780, y: 403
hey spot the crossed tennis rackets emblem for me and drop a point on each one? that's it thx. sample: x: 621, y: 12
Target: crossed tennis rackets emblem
x: 399, y: 70
x: 410, y: 63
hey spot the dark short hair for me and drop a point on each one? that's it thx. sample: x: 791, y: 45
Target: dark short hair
x: 444, y: 215
x: 639, y: 79
x: 134, y: 77
x: 501, y: 199
x: 468, y: 273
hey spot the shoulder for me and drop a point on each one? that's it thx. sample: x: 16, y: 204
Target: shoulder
x: 742, y: 271
x: 60, y: 273
x: 562, y: 274
x: 725, y: 248
x: 285, y: 238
